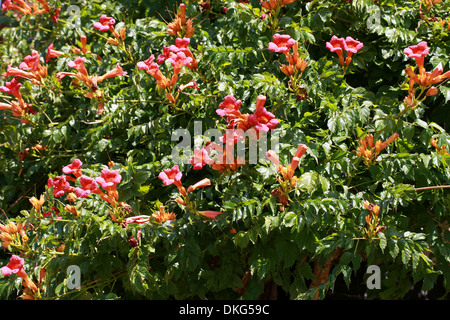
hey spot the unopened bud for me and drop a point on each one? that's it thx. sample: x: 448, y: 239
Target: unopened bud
x: 71, y: 197
x: 113, y: 41
x: 376, y: 209
x: 170, y: 97
x: 180, y: 201
x: 432, y: 91
x: 123, y: 33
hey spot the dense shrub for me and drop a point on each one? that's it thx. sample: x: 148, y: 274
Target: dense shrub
x: 111, y: 159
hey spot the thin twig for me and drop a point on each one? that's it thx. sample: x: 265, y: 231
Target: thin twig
x: 435, y: 187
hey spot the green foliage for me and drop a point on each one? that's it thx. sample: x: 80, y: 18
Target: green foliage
x: 256, y: 239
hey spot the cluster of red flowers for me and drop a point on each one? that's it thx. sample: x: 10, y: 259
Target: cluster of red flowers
x: 16, y: 266
x: 91, y: 83
x: 424, y: 79
x: 108, y: 181
x: 273, y: 7
x: 173, y: 176
x: 349, y: 45
x: 19, y: 108
x: 30, y: 69
x: 107, y: 24
x: 238, y: 126
x: 179, y: 55
x: 296, y: 65
x: 25, y: 9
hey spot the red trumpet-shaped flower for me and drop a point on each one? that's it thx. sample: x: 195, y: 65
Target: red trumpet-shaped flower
x: 52, y: 53
x: 74, y: 168
x: 349, y: 45
x: 117, y: 71
x: 272, y: 5
x: 201, y: 184
x: 105, y: 23
x: 137, y: 219
x: 281, y: 43
x: 60, y: 185
x: 181, y: 45
x: 152, y: 68
x: 19, y: 109
x: 424, y: 79
x: 209, y: 214
x: 418, y: 52
x: 178, y: 60
x: 296, y: 65
x: 171, y: 176
x: 200, y: 159
x: 12, y: 87
x: 109, y: 179
x: 30, y: 68
x: 21, y: 6
x: 230, y: 106
x: 262, y: 119
x: 88, y: 186
x: 337, y: 45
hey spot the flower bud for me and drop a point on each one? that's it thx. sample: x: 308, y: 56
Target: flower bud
x: 180, y: 201
x: 432, y: 91
x: 113, y: 41
x: 71, y: 197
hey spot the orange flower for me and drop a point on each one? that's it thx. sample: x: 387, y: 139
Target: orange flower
x: 152, y: 69
x: 369, y: 152
x: 372, y: 220
x: 442, y: 150
x: 117, y: 71
x: 37, y: 204
x: 83, y: 40
x: 375, y: 209
x: 274, y: 4
x: 180, y: 201
x: 72, y: 210
x: 21, y: 6
x: 52, y: 53
x: 161, y: 216
x: 209, y: 214
x: 30, y: 68
x: 19, y: 109
x: 12, y: 234
x: 180, y: 27
x: 289, y: 171
x: 202, y: 183
x: 288, y: 180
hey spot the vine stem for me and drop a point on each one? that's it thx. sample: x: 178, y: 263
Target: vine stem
x: 434, y: 187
